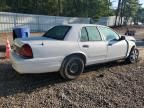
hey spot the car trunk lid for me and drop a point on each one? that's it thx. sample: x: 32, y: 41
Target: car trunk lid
x: 32, y: 40
x: 19, y: 42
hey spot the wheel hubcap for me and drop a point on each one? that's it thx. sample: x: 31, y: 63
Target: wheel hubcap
x: 74, y: 68
x: 134, y: 55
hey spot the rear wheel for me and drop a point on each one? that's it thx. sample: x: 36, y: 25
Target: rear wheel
x: 133, y: 56
x: 72, y: 67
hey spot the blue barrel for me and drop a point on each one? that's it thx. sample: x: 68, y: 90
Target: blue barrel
x: 21, y: 33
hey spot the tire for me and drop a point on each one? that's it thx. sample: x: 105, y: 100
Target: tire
x: 133, y: 56
x: 72, y: 67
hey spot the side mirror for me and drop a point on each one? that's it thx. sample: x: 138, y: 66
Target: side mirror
x: 122, y: 38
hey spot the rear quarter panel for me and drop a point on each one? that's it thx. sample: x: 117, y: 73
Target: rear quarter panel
x: 57, y: 50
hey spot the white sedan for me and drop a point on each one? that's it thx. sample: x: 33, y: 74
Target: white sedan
x: 69, y: 48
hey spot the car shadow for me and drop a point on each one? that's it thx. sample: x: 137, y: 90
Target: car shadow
x: 97, y: 67
x: 12, y: 83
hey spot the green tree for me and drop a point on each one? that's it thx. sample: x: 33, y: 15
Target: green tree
x: 127, y: 9
x: 77, y: 8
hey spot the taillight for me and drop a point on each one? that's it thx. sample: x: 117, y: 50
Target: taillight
x: 26, y: 51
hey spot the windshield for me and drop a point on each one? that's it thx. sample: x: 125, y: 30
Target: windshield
x: 57, y: 32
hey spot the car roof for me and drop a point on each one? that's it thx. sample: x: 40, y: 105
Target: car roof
x: 83, y: 25
x: 74, y: 33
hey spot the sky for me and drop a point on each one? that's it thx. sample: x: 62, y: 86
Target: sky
x: 115, y: 3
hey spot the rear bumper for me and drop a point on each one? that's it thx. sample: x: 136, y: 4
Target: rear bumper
x: 42, y: 65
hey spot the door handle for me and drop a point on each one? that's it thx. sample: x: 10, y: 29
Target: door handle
x: 110, y: 44
x: 85, y: 46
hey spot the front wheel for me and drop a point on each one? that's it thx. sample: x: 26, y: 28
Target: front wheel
x: 72, y: 67
x: 133, y: 56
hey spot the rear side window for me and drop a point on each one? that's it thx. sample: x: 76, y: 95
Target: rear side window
x: 57, y: 32
x: 90, y: 34
x: 93, y: 34
x: 84, y: 35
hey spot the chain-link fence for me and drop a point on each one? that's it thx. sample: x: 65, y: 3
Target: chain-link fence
x: 36, y: 23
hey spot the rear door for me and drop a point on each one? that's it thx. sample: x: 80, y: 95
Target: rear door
x: 93, y: 44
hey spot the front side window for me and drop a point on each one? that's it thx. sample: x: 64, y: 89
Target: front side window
x: 90, y: 34
x: 57, y: 32
x: 108, y: 34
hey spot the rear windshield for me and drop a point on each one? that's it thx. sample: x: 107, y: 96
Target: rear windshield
x: 57, y: 32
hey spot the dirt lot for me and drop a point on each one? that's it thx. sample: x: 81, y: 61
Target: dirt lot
x: 111, y: 85
x: 139, y: 31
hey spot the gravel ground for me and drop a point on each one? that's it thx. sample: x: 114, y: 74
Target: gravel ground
x: 111, y: 85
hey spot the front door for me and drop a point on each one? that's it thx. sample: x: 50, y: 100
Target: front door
x: 116, y: 48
